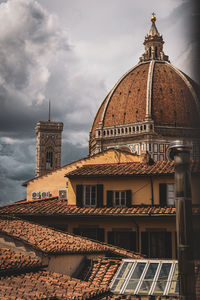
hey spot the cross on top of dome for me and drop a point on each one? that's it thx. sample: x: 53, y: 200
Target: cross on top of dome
x: 153, y: 44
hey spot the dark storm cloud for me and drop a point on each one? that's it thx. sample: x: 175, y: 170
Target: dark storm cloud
x: 29, y: 39
x: 74, y: 68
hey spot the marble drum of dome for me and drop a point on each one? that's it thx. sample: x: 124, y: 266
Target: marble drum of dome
x: 152, y: 105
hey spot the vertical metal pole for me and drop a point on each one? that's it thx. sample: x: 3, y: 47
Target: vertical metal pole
x: 49, y: 110
x: 180, y: 152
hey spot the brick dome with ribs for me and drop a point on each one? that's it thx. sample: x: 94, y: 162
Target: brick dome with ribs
x: 172, y: 99
x: 154, y: 90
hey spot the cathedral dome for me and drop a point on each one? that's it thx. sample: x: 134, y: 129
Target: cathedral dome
x: 153, y: 98
x: 154, y: 90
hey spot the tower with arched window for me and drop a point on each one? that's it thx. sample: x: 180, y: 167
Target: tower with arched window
x: 48, y: 147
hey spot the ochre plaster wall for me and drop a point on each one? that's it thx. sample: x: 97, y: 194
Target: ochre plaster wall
x: 55, y: 180
x: 64, y: 264
x: 140, y: 186
x: 67, y: 264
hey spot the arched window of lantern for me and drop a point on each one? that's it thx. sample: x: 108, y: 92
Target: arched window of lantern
x: 156, y: 52
x: 150, y: 52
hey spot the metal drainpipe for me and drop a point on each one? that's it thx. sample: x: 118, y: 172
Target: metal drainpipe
x: 152, y: 196
x: 180, y: 152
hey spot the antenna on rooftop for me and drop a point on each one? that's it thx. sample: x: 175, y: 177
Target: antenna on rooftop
x: 49, y: 111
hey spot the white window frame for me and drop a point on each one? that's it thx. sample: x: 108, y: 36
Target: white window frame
x: 90, y: 195
x: 140, y: 281
x: 168, y: 197
x: 120, y: 198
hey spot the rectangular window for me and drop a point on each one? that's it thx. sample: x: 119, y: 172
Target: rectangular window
x: 123, y: 238
x: 170, y: 194
x: 93, y: 232
x: 166, y: 192
x: 156, y: 243
x: 90, y: 197
x: 119, y: 198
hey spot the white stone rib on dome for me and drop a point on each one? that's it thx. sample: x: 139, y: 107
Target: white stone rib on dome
x: 115, y: 87
x: 191, y: 88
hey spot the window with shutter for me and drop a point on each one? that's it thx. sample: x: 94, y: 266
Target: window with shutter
x: 99, y: 195
x: 122, y: 238
x: 109, y: 198
x: 121, y: 198
x: 79, y: 195
x: 90, y: 232
x: 166, y: 194
x: 156, y: 244
x: 163, y: 194
x: 89, y: 195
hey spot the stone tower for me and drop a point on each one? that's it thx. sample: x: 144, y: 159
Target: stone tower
x: 48, y: 146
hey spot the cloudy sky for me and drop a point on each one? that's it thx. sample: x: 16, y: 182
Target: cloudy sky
x: 71, y: 52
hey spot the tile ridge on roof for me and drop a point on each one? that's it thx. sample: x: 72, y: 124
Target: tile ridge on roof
x: 114, y: 164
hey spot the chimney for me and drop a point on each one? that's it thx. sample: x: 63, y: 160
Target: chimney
x: 144, y: 157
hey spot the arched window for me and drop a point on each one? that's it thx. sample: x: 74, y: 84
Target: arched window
x: 49, y: 159
x: 156, y: 52
x: 150, y: 52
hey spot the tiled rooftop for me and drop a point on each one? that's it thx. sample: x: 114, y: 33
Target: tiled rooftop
x: 48, y: 285
x: 54, y: 207
x: 102, y: 271
x: 11, y: 261
x: 129, y: 169
x: 53, y: 241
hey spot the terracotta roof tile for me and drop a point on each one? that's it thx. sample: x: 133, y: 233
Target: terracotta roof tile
x: 53, y: 241
x: 53, y: 207
x: 46, y: 285
x: 100, y: 271
x: 129, y: 169
x: 11, y: 261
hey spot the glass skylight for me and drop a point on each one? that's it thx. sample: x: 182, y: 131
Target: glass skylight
x: 146, y: 277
